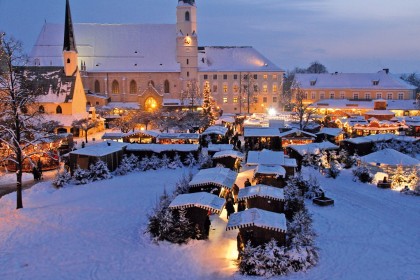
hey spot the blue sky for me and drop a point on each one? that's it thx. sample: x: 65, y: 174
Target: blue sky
x: 346, y: 36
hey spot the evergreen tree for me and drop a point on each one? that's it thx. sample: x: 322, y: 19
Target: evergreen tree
x: 154, y: 162
x: 99, y: 171
x: 81, y: 176
x: 293, y: 197
x: 363, y: 174
x: 207, y: 110
x: 190, y: 160
x: 143, y: 165
x: 204, y: 161
x: 399, y: 179
x: 125, y: 166
x: 165, y: 161
x: 61, y: 179
x: 176, y: 162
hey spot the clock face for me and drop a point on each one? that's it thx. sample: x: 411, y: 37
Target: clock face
x: 187, y: 40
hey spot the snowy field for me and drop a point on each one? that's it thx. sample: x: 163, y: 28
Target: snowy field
x: 95, y: 231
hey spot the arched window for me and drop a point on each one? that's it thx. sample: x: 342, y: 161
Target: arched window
x: 133, y: 87
x: 97, y: 86
x: 58, y: 110
x: 187, y: 16
x: 115, y: 87
x: 68, y: 60
x: 166, y: 86
x: 41, y: 109
x: 150, y: 104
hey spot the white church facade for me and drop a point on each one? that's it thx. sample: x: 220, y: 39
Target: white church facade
x: 150, y: 66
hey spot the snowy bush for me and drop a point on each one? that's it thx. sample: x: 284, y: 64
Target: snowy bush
x: 99, y: 171
x: 61, y: 179
x: 307, y: 160
x: 404, y: 179
x: 362, y: 173
x: 334, y: 170
x: 81, y: 176
x: 190, y: 160
x: 143, y: 164
x: 164, y: 161
x: 182, y: 186
x: 154, y: 162
x: 176, y: 162
x: 204, y: 161
x: 126, y: 166
x: 293, y: 196
x: 313, y: 189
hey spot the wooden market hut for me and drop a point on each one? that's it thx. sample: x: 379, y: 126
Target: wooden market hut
x: 296, y: 137
x: 263, y: 197
x: 170, y: 150
x: 217, y: 134
x: 213, y: 180
x: 228, y: 158
x: 272, y: 158
x: 258, y: 138
x: 299, y: 151
x: 331, y: 134
x: 258, y: 226
x: 365, y: 145
x: 178, y: 138
x: 214, y: 148
x: 197, y: 206
x: 272, y: 175
x: 136, y: 136
x: 110, y: 152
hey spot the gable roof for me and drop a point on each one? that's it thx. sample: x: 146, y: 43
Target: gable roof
x: 219, y: 176
x: 261, y: 190
x: 202, y: 200
x: 390, y: 157
x: 258, y: 218
x: 313, y: 148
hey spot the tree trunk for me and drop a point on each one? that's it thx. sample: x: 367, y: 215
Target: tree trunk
x: 19, y: 201
x: 86, y: 138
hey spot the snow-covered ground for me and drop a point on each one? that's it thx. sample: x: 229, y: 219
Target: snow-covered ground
x: 95, y: 231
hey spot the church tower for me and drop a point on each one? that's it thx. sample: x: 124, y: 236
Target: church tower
x: 187, y: 44
x: 69, y: 46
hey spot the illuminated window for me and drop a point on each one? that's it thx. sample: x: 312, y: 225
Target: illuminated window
x: 274, y: 76
x: 97, y: 86
x: 225, y: 88
x: 265, y: 76
x: 150, y: 104
x: 265, y: 88
x: 274, y: 88
x: 235, y: 100
x: 225, y: 99
x: 235, y: 88
x: 133, y: 87
x: 115, y: 87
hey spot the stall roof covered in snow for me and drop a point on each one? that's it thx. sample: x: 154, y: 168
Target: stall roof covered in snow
x: 268, y: 157
x: 331, y: 131
x: 390, y: 157
x: 276, y: 170
x: 408, y: 104
x: 313, y: 148
x: 120, y: 135
x: 261, y: 191
x: 219, y: 147
x: 100, y: 149
x: 261, y: 132
x: 296, y: 131
x: 202, y: 200
x: 258, y: 218
x: 159, y: 148
x: 229, y: 153
x: 371, y: 138
x: 219, y: 176
x: 227, y: 58
x: 179, y: 136
x: 216, y: 129
x: 371, y: 81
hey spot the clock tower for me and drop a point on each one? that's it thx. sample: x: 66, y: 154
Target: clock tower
x: 187, y: 45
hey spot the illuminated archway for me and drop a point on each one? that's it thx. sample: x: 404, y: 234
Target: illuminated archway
x: 150, y: 104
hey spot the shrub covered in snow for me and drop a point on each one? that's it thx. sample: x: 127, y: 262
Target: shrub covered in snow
x: 143, y: 164
x: 363, y: 174
x: 334, y: 170
x: 204, y: 161
x: 401, y: 179
x: 127, y: 165
x: 61, y: 179
x: 190, y: 160
x: 99, y: 171
x: 176, y: 162
x: 81, y: 176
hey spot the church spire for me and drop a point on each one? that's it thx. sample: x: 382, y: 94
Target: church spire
x: 69, y: 42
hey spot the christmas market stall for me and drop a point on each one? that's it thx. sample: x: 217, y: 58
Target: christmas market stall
x: 272, y: 158
x: 214, y: 148
x: 198, y: 206
x: 296, y: 137
x: 228, y: 158
x: 365, y: 145
x: 331, y: 134
x: 299, y: 152
x: 215, y: 134
x: 272, y: 175
x: 170, y: 150
x: 110, y: 152
x: 257, y: 139
x: 263, y: 197
x: 136, y: 136
x: 213, y: 180
x: 258, y: 226
x: 178, y: 138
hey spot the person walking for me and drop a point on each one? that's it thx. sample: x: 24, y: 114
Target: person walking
x: 229, y: 207
x: 235, y: 191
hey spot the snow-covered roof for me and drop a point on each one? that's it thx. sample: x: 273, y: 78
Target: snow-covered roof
x: 120, y: 135
x: 261, y: 191
x: 409, y: 104
x: 265, y: 156
x: 202, y: 200
x: 371, y: 138
x: 297, y: 131
x: 258, y: 218
x: 276, y: 170
x: 331, y: 131
x: 313, y: 148
x: 352, y: 81
x: 100, y: 149
x: 219, y: 147
x: 213, y: 58
x: 178, y: 136
x: 228, y: 153
x: 216, y: 129
x: 112, y: 47
x: 228, y: 119
x: 390, y: 157
x: 219, y: 176
x: 261, y: 132
x: 380, y: 113
x: 159, y: 148
x: 65, y: 120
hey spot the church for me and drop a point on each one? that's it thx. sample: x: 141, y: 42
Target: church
x: 153, y: 66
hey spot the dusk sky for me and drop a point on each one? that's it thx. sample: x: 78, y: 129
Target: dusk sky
x: 346, y: 36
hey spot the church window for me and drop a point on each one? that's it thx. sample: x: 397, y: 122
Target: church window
x: 41, y: 109
x: 166, y: 86
x: 58, y: 110
x: 150, y: 104
x: 115, y: 87
x: 97, y: 86
x: 68, y: 60
x: 133, y: 87
x: 187, y: 16
x: 188, y: 61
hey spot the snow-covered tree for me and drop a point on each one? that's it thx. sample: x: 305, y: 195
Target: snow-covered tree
x: 85, y: 125
x: 99, y: 171
x: 399, y: 179
x: 125, y: 166
x: 302, y: 108
x: 307, y: 160
x: 62, y: 178
x: 21, y: 122
x: 81, y: 176
x: 293, y: 196
x: 182, y: 186
x: 176, y: 162
x: 204, y: 161
x: 165, y: 161
x: 190, y: 160
x: 363, y: 174
x: 207, y: 110
x: 334, y: 170
x: 143, y: 164
x: 154, y: 162
x: 312, y: 188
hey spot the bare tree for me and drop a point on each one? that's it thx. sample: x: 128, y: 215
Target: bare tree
x: 249, y: 91
x: 192, y: 95
x: 302, y: 109
x: 85, y: 125
x: 21, y: 124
